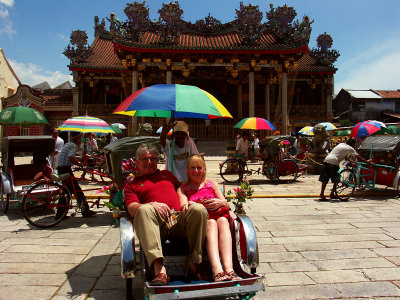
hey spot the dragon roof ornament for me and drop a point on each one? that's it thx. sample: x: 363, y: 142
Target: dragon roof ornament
x: 325, y: 55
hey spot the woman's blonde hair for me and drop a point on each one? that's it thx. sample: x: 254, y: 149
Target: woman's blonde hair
x: 193, y: 160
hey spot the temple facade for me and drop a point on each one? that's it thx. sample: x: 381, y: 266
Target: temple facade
x: 253, y: 68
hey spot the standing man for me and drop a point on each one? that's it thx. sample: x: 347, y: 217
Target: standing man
x: 53, y: 158
x: 331, y: 166
x: 66, y: 160
x: 242, y: 145
x: 178, y: 150
x: 150, y: 199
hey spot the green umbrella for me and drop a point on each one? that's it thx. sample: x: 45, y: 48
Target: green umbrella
x: 116, y: 129
x: 21, y: 115
x: 393, y: 130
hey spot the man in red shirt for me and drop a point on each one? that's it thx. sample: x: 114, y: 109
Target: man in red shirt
x: 150, y: 199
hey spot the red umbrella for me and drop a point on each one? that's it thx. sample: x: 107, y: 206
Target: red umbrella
x: 366, y: 128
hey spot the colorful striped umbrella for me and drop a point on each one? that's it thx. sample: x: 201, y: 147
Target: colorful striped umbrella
x: 85, y: 124
x: 366, y: 128
x: 328, y: 126
x: 172, y: 101
x: 307, y: 130
x: 255, y: 123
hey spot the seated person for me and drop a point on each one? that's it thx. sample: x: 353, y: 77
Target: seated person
x: 198, y: 189
x: 150, y: 199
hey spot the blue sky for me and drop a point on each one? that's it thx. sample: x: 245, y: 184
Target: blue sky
x: 34, y: 33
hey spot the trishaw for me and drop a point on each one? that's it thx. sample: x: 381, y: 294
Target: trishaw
x: 134, y: 268
x: 16, y: 176
x: 384, y: 151
x: 277, y: 163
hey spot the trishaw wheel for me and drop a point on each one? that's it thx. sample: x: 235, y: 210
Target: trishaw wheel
x: 232, y: 170
x: 346, y: 184
x: 269, y: 170
x: 5, y: 199
x: 287, y: 170
x: 398, y: 187
x: 45, y: 204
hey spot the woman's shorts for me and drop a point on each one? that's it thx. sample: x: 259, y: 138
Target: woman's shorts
x: 329, y: 172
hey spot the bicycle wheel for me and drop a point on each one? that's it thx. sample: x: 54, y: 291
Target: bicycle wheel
x: 5, y: 199
x: 287, y: 170
x: 45, y: 204
x: 232, y: 170
x: 346, y: 184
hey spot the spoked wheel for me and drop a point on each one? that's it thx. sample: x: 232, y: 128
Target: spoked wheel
x: 269, y: 170
x: 398, y: 188
x: 346, y: 185
x: 232, y: 170
x: 45, y: 204
x: 5, y: 199
x: 287, y: 170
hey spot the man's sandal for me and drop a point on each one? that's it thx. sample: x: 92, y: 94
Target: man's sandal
x: 160, y: 280
x: 222, y: 276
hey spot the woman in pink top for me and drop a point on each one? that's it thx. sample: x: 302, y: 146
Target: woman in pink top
x: 218, y: 237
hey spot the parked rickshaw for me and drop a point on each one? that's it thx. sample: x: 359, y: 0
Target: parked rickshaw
x: 134, y: 268
x: 16, y: 177
x: 384, y: 151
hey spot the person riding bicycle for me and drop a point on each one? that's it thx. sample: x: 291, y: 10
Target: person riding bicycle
x: 66, y: 160
x: 178, y: 150
x: 242, y: 145
x: 331, y: 166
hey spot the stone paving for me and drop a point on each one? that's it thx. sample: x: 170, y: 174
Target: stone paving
x: 308, y: 249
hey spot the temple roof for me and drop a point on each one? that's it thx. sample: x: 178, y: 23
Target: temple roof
x: 389, y: 94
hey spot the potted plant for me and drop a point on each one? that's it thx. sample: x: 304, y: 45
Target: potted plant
x: 240, y: 195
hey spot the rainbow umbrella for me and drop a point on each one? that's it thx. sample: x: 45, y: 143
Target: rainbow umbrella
x: 366, y: 128
x: 307, y: 130
x: 328, y: 126
x: 172, y: 101
x: 85, y: 124
x: 254, y: 123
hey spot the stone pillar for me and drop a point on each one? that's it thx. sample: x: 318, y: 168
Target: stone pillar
x: 75, y: 101
x: 240, y: 100
x: 134, y: 89
x: 251, y: 94
x: 267, y: 98
x: 328, y: 94
x: 285, y: 117
x: 169, y: 77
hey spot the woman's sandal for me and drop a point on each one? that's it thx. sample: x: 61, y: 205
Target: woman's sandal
x: 222, y: 276
x: 233, y: 275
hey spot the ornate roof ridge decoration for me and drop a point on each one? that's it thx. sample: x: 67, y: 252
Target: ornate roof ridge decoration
x: 79, y: 51
x: 323, y: 54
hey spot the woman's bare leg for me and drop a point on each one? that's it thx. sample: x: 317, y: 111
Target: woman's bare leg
x: 225, y: 243
x: 212, y: 247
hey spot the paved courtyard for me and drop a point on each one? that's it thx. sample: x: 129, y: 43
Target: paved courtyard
x: 308, y: 249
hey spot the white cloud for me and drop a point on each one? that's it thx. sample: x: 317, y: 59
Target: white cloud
x: 8, y: 29
x: 32, y: 74
x: 7, y: 2
x: 376, y: 68
x: 3, y: 13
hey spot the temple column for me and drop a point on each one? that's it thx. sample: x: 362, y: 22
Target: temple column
x: 169, y: 77
x: 134, y: 89
x: 267, y: 98
x: 251, y: 94
x: 240, y: 100
x: 328, y: 93
x: 75, y: 101
x: 285, y: 117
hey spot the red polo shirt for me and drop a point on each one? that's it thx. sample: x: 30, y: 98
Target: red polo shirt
x: 158, y: 187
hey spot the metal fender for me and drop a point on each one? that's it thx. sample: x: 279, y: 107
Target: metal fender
x: 128, y: 263
x: 252, y: 255
x: 396, y: 180
x: 6, y: 180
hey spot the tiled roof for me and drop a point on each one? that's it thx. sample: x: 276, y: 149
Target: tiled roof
x: 51, y: 100
x: 103, y: 57
x: 389, y: 94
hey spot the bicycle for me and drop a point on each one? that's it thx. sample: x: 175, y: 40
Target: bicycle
x: 357, y: 175
x: 46, y: 202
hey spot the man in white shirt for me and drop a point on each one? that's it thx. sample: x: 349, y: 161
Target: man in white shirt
x: 53, y: 158
x: 242, y: 145
x: 331, y: 166
x: 178, y: 150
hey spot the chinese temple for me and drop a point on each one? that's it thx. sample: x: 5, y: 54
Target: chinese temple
x: 254, y: 68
